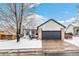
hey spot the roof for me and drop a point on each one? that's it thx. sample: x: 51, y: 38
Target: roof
x: 52, y: 20
x: 76, y: 25
x: 68, y: 27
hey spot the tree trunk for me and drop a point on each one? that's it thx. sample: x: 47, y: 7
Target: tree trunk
x: 18, y: 35
x: 19, y: 22
x: 18, y: 38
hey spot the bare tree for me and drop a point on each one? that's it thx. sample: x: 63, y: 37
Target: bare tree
x: 13, y: 15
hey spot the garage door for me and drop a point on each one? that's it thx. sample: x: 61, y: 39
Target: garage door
x: 51, y: 35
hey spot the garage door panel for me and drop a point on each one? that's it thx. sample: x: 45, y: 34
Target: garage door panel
x: 51, y: 35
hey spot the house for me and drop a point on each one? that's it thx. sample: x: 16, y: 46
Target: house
x: 73, y: 28
x: 52, y: 34
x: 6, y: 36
x: 52, y: 29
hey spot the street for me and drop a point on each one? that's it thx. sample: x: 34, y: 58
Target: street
x: 63, y: 54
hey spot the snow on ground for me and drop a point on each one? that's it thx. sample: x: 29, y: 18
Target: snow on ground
x: 74, y: 41
x: 24, y: 43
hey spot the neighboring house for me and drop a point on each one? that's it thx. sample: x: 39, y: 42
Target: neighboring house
x: 6, y: 36
x: 73, y: 28
x: 52, y: 35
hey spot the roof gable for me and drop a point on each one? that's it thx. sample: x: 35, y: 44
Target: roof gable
x: 51, y: 20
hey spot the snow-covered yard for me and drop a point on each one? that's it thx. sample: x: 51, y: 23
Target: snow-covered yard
x: 74, y: 41
x: 27, y: 43
x: 24, y: 43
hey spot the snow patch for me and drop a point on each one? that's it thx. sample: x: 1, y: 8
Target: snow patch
x: 74, y: 41
x: 24, y: 43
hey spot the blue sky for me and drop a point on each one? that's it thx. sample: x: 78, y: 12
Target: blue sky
x: 57, y: 11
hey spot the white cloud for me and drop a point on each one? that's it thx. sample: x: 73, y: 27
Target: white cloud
x: 31, y: 5
x: 66, y: 22
x: 62, y: 21
x: 33, y: 19
x: 70, y: 20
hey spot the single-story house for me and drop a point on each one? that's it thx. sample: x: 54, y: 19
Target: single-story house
x: 51, y: 29
x: 52, y: 35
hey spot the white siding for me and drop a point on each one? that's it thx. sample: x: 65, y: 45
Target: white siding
x: 70, y: 29
x: 51, y: 25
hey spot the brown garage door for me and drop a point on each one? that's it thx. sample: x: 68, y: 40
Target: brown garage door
x: 54, y: 35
